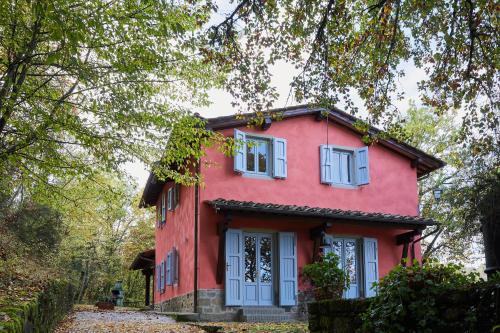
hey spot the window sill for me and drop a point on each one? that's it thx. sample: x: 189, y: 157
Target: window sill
x: 344, y: 186
x: 256, y: 176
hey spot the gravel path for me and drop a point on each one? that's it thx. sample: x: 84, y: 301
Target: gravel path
x: 89, y: 320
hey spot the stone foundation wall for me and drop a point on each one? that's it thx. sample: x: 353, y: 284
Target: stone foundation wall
x: 184, y: 303
x: 211, y: 305
x: 300, y: 310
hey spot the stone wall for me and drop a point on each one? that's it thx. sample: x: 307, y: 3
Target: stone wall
x: 41, y: 314
x: 211, y: 306
x: 300, y: 311
x: 183, y: 303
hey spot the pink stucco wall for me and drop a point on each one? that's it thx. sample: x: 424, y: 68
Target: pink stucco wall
x: 392, y: 189
x: 179, y: 232
x: 389, y: 253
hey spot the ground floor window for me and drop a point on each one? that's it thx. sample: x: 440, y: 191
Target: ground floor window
x: 359, y: 259
x: 261, y: 268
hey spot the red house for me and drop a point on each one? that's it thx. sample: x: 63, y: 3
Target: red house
x: 295, y: 187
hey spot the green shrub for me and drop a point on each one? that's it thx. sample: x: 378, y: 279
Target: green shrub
x: 422, y: 298
x: 327, y: 277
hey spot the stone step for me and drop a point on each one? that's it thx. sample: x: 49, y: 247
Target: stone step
x: 270, y: 318
x: 259, y: 310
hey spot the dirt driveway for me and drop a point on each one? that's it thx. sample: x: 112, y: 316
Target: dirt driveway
x: 87, y: 319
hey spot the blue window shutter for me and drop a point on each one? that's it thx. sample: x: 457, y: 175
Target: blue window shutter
x: 168, y: 269
x: 240, y: 154
x: 163, y: 212
x: 169, y: 199
x: 177, y: 190
x: 362, y: 166
x: 175, y: 266
x: 370, y: 250
x: 234, y: 267
x: 157, y: 281
x: 280, y: 162
x: 326, y: 164
x: 288, y: 268
x: 162, y: 277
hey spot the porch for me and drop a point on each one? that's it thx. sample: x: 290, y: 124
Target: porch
x: 145, y: 262
x: 259, y: 265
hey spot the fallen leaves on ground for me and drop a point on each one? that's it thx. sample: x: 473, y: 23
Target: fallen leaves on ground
x: 88, y: 319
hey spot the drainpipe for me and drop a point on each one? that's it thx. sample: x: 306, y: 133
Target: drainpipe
x: 196, y: 219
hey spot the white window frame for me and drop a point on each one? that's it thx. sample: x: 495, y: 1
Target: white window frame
x: 269, y: 164
x: 163, y: 208
x: 351, y: 172
x: 360, y: 260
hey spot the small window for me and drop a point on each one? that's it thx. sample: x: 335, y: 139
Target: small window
x: 344, y: 166
x: 257, y: 156
x: 170, y: 199
x: 176, y: 195
x: 163, y: 208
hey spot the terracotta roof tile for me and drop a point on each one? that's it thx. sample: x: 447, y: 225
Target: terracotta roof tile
x: 329, y: 213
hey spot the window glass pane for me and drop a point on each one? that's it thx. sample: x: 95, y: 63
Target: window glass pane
x: 337, y: 249
x: 250, y: 259
x: 350, y: 260
x: 344, y: 167
x: 349, y: 157
x: 336, y: 167
x: 250, y: 155
x: 265, y: 259
x: 262, y: 155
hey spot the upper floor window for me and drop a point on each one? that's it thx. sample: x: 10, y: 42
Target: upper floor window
x: 163, y: 208
x: 344, y: 166
x: 257, y: 155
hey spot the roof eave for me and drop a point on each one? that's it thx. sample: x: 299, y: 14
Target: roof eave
x: 424, y: 162
x: 400, y: 221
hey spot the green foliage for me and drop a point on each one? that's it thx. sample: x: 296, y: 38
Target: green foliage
x: 337, y: 315
x: 409, y: 298
x: 38, y: 226
x: 326, y: 276
x: 94, y: 84
x: 343, y: 49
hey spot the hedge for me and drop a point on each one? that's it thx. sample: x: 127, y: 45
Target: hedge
x: 42, y: 314
x: 339, y: 316
x: 476, y: 309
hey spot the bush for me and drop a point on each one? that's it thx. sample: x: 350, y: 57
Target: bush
x: 422, y: 298
x: 328, y: 279
x: 38, y: 226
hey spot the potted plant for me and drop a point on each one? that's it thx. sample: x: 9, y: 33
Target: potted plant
x: 326, y: 277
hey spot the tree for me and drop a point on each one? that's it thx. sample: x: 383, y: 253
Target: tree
x: 469, y: 183
x: 90, y: 85
x: 347, y: 48
x: 343, y: 48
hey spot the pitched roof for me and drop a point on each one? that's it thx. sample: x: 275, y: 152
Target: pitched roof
x: 424, y: 162
x: 322, y: 213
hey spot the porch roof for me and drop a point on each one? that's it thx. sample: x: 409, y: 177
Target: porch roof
x: 144, y: 260
x: 413, y: 222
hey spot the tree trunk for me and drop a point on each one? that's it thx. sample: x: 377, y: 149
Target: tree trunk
x: 491, y: 238
x: 490, y: 225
